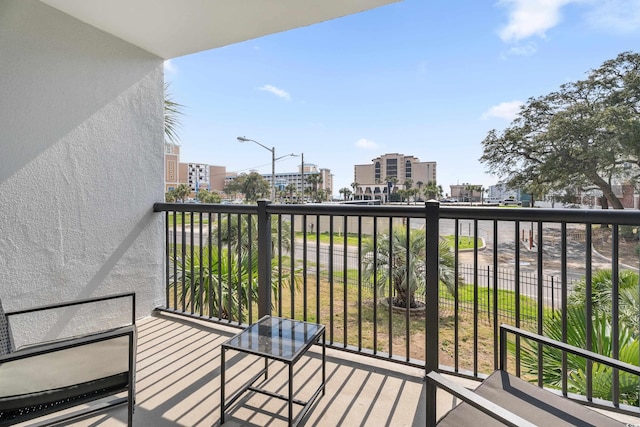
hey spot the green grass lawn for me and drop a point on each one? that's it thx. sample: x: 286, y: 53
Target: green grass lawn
x: 357, y: 320
x: 464, y: 242
x: 187, y: 218
x: 362, y: 307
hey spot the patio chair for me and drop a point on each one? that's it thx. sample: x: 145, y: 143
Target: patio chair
x: 504, y: 399
x: 88, y: 370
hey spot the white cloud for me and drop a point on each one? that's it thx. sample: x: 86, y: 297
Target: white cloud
x: 366, y: 144
x: 169, y: 67
x: 527, y: 49
x: 621, y: 16
x: 531, y: 18
x: 276, y: 91
x: 504, y: 110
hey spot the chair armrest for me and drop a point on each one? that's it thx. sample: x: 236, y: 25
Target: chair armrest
x: 486, y: 406
x: 51, y: 377
x: 131, y: 295
x: 53, y: 346
x: 589, y: 355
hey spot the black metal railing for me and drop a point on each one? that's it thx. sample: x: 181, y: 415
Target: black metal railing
x: 348, y: 266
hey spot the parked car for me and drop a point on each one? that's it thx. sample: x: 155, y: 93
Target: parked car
x: 511, y: 201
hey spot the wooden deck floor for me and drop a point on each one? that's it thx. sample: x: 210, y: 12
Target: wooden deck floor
x: 178, y: 384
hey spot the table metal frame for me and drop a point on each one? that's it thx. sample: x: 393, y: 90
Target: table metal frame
x: 289, y: 361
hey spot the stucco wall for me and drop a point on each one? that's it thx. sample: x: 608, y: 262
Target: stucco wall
x: 81, y: 162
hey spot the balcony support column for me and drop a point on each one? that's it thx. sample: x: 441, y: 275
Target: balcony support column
x: 264, y: 259
x: 432, y: 219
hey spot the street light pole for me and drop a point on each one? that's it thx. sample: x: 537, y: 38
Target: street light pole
x: 273, y: 163
x: 273, y: 174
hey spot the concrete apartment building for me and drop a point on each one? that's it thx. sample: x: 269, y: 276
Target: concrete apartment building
x: 195, y: 175
x: 373, y: 179
x: 199, y: 176
x: 468, y: 192
x: 171, y: 166
x: 283, y: 179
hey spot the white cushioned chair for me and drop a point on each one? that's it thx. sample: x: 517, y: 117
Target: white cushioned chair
x: 87, y: 370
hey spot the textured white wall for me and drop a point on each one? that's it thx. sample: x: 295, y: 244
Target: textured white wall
x: 81, y: 162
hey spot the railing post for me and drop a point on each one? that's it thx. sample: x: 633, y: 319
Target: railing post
x: 432, y: 218
x: 264, y: 259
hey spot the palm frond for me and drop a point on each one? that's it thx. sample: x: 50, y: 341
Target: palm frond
x: 172, y: 113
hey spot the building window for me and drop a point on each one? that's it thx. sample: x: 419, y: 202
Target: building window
x: 407, y: 169
x: 392, y: 168
x: 171, y: 170
x: 377, y: 170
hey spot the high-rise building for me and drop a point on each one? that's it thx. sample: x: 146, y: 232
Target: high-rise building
x: 390, y: 172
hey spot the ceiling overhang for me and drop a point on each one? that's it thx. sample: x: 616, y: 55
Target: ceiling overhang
x: 172, y: 28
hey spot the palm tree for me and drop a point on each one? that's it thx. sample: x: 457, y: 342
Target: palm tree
x: 172, y: 113
x: 431, y: 190
x: 234, y: 231
x: 601, y: 285
x: 206, y: 196
x: 290, y: 189
x: 419, y: 184
x: 355, y: 186
x: 345, y: 192
x: 220, y: 285
x: 602, y: 343
x: 205, y: 291
x: 180, y: 193
x: 414, y: 193
x: 392, y: 262
x: 315, y: 180
x: 322, y: 195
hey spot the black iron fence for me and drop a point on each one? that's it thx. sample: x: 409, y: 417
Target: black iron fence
x: 371, y: 275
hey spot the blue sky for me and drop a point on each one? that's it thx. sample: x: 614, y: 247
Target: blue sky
x: 427, y: 78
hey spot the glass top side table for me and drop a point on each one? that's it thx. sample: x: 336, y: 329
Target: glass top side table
x: 279, y: 339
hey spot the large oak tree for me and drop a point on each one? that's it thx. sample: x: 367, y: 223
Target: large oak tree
x: 586, y: 135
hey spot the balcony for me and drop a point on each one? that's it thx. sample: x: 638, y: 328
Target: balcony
x: 327, y: 264
x: 178, y: 383
x: 530, y: 264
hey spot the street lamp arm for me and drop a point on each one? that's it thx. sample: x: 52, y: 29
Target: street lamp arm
x: 243, y: 139
x: 287, y: 155
x: 273, y: 163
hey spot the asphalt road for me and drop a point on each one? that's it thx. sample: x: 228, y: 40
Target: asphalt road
x: 507, y: 238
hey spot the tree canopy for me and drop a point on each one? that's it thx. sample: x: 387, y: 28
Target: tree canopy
x: 206, y: 196
x: 253, y: 186
x: 180, y: 193
x: 586, y: 135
